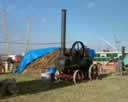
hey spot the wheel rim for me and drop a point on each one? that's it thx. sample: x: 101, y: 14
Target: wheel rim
x: 78, y: 76
x: 93, y: 72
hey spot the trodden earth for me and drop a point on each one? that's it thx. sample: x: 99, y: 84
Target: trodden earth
x: 112, y: 88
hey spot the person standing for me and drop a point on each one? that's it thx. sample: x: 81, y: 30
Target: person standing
x: 120, y: 65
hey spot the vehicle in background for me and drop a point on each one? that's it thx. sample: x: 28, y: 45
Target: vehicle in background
x: 9, y: 63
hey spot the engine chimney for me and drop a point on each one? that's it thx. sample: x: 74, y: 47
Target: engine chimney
x: 63, y: 31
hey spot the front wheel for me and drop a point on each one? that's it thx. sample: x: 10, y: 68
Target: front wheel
x: 78, y: 76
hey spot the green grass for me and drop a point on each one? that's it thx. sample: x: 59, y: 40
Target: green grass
x: 110, y: 89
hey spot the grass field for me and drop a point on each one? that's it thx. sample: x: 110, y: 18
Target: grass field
x: 32, y: 89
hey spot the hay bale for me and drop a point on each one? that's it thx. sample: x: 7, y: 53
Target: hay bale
x: 41, y: 64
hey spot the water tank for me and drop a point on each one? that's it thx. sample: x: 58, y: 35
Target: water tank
x: 92, y: 53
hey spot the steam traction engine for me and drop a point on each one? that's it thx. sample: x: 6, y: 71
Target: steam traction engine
x: 76, y: 63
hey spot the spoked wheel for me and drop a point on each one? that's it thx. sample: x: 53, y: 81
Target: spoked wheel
x: 78, y: 76
x: 93, y: 72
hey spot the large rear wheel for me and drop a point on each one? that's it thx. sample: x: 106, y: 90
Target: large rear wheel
x: 93, y: 72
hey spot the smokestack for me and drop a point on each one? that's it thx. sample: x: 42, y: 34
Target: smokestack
x: 63, y: 31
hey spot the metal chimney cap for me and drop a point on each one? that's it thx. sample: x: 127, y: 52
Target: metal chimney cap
x: 64, y: 9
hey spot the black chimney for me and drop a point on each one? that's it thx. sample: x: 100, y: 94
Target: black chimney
x: 63, y: 31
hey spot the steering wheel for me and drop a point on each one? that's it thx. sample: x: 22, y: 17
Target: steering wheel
x: 78, y: 49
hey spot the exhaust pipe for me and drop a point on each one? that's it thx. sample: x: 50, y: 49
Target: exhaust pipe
x: 63, y: 31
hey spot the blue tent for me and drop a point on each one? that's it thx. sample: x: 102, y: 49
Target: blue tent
x: 31, y: 56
